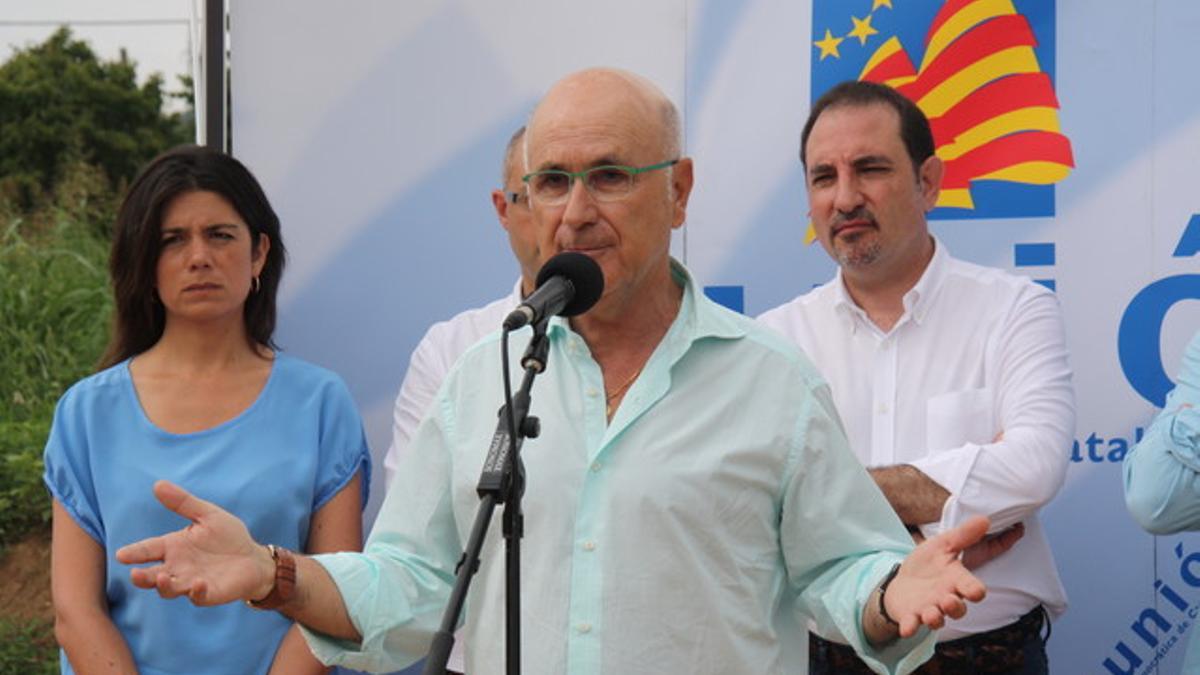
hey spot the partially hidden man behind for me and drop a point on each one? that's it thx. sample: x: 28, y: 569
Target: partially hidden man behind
x: 952, y: 378
x: 690, y: 471
x: 446, y: 341
x: 1162, y: 470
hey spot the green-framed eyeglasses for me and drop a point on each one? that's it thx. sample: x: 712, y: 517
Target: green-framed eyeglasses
x: 606, y: 183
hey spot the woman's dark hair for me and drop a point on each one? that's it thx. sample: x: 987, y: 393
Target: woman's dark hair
x: 139, y: 317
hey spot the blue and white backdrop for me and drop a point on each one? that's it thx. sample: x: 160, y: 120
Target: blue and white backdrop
x: 377, y: 130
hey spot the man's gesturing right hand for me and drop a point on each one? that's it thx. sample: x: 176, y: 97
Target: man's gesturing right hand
x: 212, y: 561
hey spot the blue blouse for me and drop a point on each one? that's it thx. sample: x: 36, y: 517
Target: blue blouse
x: 273, y: 466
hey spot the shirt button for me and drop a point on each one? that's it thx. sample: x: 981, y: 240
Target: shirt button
x: 595, y: 467
x: 589, y: 545
x: 592, y: 392
x: 584, y: 628
x: 883, y: 409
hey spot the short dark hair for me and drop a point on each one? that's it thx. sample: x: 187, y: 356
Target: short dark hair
x: 139, y: 317
x: 914, y: 126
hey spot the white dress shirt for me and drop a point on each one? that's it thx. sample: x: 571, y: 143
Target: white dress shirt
x: 977, y: 353
x: 437, y: 351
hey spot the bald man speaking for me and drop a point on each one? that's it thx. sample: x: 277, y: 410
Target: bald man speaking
x: 691, y: 473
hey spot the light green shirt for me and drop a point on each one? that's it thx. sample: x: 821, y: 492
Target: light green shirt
x: 662, y: 542
x: 1162, y: 472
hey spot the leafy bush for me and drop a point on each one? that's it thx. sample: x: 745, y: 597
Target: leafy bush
x: 55, y: 302
x: 28, y: 648
x: 24, y: 503
x: 73, y: 131
x: 60, y: 104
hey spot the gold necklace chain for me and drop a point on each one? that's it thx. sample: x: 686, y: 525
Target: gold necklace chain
x: 608, y: 398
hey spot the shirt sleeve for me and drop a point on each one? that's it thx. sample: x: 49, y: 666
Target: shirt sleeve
x: 1009, y: 479
x: 840, y: 537
x: 426, y: 370
x: 396, y: 590
x: 1162, y: 472
x: 342, y: 446
x: 68, y: 473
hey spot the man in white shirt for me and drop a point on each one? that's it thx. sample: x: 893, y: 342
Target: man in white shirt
x: 445, y: 341
x: 952, y: 379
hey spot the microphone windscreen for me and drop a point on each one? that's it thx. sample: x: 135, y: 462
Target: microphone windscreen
x: 583, y: 273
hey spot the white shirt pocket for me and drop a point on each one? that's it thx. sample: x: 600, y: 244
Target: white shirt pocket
x: 956, y: 418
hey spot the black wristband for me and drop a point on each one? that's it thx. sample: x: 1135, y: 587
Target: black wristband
x: 883, y: 591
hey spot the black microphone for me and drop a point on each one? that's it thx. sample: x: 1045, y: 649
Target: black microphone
x: 568, y: 284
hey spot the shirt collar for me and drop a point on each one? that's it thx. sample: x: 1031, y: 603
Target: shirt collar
x: 698, y: 318
x: 845, y: 307
x: 917, y: 300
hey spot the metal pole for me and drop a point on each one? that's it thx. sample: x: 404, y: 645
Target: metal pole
x: 214, y: 74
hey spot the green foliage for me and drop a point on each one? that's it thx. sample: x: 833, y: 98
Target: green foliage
x: 24, y: 503
x: 55, y: 302
x: 27, y: 648
x: 60, y: 104
x: 73, y: 131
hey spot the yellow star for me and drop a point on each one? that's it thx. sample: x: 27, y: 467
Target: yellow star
x: 829, y: 45
x: 881, y: 3
x: 862, y: 29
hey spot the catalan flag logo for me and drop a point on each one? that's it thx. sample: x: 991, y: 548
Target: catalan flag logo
x: 985, y: 79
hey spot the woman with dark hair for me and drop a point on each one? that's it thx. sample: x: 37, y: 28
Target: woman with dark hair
x: 193, y: 388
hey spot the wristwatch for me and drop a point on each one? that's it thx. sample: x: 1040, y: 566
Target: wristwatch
x: 887, y: 581
x: 285, y: 580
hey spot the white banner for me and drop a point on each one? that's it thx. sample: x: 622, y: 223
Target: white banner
x: 378, y: 128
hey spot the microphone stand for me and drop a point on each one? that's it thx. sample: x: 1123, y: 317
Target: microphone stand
x: 501, y: 482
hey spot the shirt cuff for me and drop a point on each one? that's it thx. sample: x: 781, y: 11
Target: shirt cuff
x: 1185, y: 437
x: 844, y: 614
x: 951, y: 470
x: 349, y: 572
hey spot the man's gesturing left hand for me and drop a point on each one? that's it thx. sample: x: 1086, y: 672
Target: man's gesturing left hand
x: 932, y: 583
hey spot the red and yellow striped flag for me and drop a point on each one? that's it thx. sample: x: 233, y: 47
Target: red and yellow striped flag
x: 993, y: 111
